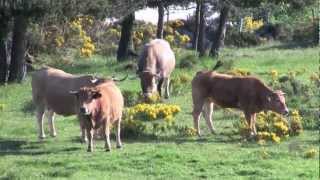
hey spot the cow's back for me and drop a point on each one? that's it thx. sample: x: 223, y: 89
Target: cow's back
x: 226, y: 90
x: 51, y: 90
x: 157, y: 57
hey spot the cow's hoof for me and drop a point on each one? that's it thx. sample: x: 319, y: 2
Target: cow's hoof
x: 84, y: 140
x: 53, y: 135
x: 108, y: 150
x: 41, y: 137
x: 89, y: 150
x: 119, y: 147
x: 214, y: 132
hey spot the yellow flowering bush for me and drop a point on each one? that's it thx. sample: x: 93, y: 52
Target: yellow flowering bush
x: 183, y: 39
x: 238, y: 72
x: 161, y: 116
x: 77, y: 25
x: 151, y: 112
x: 179, y: 83
x: 296, y: 125
x: 186, y: 131
x: 315, y: 78
x: 311, y: 153
x: 271, y: 126
x: 170, y: 39
x: 274, y: 75
x: 59, y: 41
x: 250, y: 24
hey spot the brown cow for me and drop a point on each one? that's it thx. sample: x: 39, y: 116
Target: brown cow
x: 156, y: 63
x: 248, y: 94
x: 50, y: 91
x: 100, y: 106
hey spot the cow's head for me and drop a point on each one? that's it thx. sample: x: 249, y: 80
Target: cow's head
x: 86, y: 99
x: 276, y: 102
x: 148, y: 83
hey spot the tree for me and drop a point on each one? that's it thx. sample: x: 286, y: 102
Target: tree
x: 201, y: 45
x: 126, y: 37
x: 197, y: 25
x: 17, y: 65
x: 160, y: 21
x: 4, y: 23
x: 220, y: 33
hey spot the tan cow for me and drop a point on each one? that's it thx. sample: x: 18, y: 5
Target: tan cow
x: 50, y: 91
x: 248, y: 94
x: 100, y: 106
x: 156, y: 63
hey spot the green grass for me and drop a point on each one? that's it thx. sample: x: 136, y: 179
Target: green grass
x: 222, y: 156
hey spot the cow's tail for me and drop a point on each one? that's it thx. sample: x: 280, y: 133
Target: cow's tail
x: 218, y: 65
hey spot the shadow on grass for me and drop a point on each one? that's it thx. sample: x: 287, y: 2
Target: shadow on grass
x: 28, y: 107
x: 22, y: 147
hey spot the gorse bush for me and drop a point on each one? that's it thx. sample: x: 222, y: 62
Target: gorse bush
x: 250, y: 24
x: 179, y: 83
x: 272, y: 126
x: 158, y: 117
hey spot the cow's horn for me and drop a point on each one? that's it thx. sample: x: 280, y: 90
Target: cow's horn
x: 73, y: 92
x: 94, y: 80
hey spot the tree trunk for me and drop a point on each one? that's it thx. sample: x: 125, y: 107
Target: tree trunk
x: 218, y: 40
x: 17, y: 65
x: 201, y: 45
x: 3, y: 50
x: 197, y: 25
x: 126, y: 37
x: 160, y: 21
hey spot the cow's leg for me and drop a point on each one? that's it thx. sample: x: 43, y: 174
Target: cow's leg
x: 83, y: 137
x: 107, y: 137
x: 207, y: 113
x: 40, y: 114
x: 50, y: 115
x: 90, y: 139
x: 253, y: 119
x: 249, y: 118
x: 167, y: 87
x: 119, y: 144
x: 197, y: 109
x: 159, y: 86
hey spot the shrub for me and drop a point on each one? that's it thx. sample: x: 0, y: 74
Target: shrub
x: 130, y: 97
x: 159, y: 116
x: 238, y: 72
x: 242, y: 39
x: 311, y: 153
x: 179, y: 83
x: 132, y: 128
x: 188, y: 61
x: 271, y: 126
x: 185, y: 131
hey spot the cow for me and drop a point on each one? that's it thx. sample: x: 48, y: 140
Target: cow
x: 246, y: 93
x: 156, y: 63
x: 50, y: 93
x: 100, y: 106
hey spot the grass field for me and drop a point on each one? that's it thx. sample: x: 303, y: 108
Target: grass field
x: 221, y: 156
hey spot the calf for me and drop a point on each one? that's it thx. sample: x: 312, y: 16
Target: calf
x: 248, y: 94
x: 100, y: 106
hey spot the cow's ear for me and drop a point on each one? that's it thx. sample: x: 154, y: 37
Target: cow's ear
x: 76, y: 93
x: 96, y: 94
